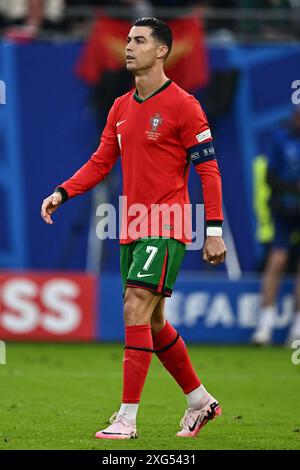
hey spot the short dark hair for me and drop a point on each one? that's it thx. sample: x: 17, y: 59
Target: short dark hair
x: 160, y: 30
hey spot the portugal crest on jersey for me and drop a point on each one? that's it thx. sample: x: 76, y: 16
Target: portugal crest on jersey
x: 156, y: 121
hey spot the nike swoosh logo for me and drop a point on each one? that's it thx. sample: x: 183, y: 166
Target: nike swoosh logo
x: 120, y: 122
x: 191, y: 428
x: 210, y: 414
x: 144, y: 275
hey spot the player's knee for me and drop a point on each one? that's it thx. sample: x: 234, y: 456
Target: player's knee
x: 131, y: 316
x: 135, y: 312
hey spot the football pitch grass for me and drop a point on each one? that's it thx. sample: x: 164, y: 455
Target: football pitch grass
x: 56, y: 396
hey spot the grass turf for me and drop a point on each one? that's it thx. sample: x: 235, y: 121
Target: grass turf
x: 56, y: 396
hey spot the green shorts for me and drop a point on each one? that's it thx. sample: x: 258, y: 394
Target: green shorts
x: 151, y: 263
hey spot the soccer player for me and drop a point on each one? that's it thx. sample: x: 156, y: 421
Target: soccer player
x: 158, y: 128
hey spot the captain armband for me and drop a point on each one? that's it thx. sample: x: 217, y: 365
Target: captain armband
x: 201, y: 153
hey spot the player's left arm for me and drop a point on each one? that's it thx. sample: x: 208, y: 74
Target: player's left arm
x: 197, y: 139
x: 214, y: 250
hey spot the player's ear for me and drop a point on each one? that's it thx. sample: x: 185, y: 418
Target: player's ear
x: 162, y: 51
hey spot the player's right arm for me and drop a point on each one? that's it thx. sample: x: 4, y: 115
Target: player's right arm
x: 90, y: 174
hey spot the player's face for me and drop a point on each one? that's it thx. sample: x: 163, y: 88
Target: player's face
x: 142, y: 50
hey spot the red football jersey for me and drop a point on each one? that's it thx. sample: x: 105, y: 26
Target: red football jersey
x: 157, y: 138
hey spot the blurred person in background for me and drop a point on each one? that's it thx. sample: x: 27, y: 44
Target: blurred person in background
x: 284, y: 179
x: 222, y: 23
x: 26, y: 18
x: 270, y: 28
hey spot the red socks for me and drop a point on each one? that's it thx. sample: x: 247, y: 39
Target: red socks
x: 169, y: 348
x: 136, y: 362
x: 175, y: 358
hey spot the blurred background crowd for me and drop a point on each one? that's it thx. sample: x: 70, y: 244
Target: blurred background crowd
x: 247, y: 19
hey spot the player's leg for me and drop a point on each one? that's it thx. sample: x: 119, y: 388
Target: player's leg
x: 271, y: 279
x: 138, y: 307
x: 275, y: 267
x: 294, y: 332
x: 139, y: 303
x: 172, y: 352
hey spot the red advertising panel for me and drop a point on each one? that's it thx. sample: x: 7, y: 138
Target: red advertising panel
x: 54, y: 306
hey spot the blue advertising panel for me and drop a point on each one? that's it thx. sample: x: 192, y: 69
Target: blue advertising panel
x: 203, y: 310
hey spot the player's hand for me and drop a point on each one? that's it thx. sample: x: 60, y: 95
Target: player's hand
x: 50, y: 205
x: 214, y: 250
